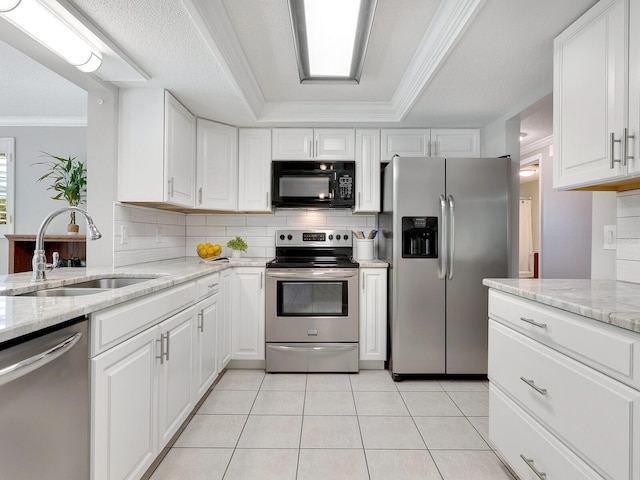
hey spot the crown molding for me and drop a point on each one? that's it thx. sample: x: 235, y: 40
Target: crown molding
x: 43, y: 121
x: 538, y: 144
x: 448, y: 25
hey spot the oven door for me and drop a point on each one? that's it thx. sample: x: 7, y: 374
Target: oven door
x: 312, y: 305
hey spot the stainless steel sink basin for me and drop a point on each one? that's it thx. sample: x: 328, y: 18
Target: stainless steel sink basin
x: 111, y: 282
x: 64, y: 292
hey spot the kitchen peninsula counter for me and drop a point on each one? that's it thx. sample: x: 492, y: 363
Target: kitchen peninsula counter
x: 608, y: 301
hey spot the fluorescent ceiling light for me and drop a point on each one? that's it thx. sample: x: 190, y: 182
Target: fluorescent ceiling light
x: 527, y: 172
x: 37, y: 20
x: 331, y: 38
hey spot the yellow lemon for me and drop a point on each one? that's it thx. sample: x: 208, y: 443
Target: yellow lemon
x: 217, y: 249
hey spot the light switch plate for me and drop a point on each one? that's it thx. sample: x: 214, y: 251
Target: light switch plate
x: 610, y: 238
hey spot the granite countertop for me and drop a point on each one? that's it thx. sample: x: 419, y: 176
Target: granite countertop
x: 22, y: 315
x: 608, y: 301
x: 371, y: 263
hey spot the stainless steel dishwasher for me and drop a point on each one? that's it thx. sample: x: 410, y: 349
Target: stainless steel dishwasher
x: 44, y: 405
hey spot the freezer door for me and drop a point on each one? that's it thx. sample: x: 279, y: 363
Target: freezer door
x: 418, y: 296
x: 478, y: 190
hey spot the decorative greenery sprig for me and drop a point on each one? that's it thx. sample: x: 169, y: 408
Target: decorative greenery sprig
x: 69, y: 180
x: 237, y: 243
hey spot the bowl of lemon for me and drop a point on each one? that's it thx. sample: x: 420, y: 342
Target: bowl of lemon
x: 208, y: 251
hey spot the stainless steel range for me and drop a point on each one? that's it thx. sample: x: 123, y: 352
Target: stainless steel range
x: 312, y: 303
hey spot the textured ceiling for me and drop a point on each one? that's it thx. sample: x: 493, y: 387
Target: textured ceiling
x: 500, y: 60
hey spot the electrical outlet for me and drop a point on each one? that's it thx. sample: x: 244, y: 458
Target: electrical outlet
x: 124, y: 234
x: 610, y: 238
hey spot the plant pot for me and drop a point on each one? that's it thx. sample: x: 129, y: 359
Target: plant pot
x: 73, y: 229
x: 236, y: 253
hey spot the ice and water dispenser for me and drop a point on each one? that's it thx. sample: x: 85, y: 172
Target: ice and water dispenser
x: 420, y: 237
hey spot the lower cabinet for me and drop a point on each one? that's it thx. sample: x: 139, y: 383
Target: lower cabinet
x: 141, y: 393
x: 224, y: 320
x: 205, y: 353
x: 248, y: 317
x: 373, y: 313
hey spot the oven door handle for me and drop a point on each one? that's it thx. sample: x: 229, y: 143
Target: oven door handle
x: 313, y: 275
x: 335, y: 348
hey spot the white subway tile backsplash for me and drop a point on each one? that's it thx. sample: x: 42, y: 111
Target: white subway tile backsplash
x: 226, y: 220
x: 628, y: 233
x: 196, y: 219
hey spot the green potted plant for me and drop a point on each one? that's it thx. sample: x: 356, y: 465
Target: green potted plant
x: 69, y: 180
x: 237, y: 245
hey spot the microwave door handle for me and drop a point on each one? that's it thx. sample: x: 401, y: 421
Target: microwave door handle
x: 442, y: 255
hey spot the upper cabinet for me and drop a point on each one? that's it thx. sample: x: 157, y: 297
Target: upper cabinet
x: 254, y: 172
x: 367, y: 171
x: 217, y: 166
x: 157, y: 143
x: 596, y: 115
x: 422, y: 142
x: 313, y: 144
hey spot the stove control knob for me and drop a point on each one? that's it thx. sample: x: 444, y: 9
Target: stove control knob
x: 337, y: 237
x: 330, y: 237
x: 281, y: 237
x: 289, y: 237
x: 346, y: 237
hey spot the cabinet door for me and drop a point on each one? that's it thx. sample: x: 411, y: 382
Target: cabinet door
x: 248, y: 314
x: 180, y: 152
x: 217, y: 161
x: 175, y: 373
x: 373, y: 314
x: 406, y: 142
x: 123, y: 437
x: 590, y: 96
x: 367, y: 171
x: 224, y: 320
x: 334, y: 144
x: 254, y: 159
x: 455, y: 142
x: 205, y: 350
x: 292, y: 144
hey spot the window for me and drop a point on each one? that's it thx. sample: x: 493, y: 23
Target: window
x: 7, y: 174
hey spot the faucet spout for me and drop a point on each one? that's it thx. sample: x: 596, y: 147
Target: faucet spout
x: 39, y: 261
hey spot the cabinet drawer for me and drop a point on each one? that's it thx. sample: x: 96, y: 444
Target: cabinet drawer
x: 208, y: 285
x: 514, y: 433
x: 606, y: 348
x: 581, y: 406
x: 114, y: 325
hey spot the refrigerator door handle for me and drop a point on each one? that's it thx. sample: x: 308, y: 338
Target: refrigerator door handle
x: 442, y: 256
x: 452, y: 235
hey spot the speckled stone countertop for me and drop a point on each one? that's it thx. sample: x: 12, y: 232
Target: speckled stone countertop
x: 375, y: 263
x: 22, y: 315
x: 608, y: 301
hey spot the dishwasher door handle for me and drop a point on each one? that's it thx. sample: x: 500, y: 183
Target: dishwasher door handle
x: 17, y: 370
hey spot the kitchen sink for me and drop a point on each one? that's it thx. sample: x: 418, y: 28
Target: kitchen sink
x: 108, y: 283
x: 64, y: 292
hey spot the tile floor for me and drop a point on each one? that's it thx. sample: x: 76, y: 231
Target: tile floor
x: 336, y: 426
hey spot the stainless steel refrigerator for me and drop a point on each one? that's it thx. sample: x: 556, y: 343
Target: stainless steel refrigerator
x: 444, y: 227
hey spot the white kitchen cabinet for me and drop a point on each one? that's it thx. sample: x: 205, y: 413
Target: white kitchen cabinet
x: 553, y: 398
x: 157, y: 149
x: 591, y: 97
x: 422, y: 142
x: 217, y: 166
x: 175, y: 373
x: 367, y: 171
x: 254, y: 176
x: 224, y: 320
x: 313, y: 144
x: 248, y: 316
x: 205, y: 352
x: 373, y: 313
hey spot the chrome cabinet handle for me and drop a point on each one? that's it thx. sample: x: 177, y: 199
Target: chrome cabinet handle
x: 452, y: 235
x: 200, y: 195
x: 317, y: 149
x: 533, y: 322
x: 164, y: 352
x: 531, y: 383
x: 362, y: 281
x: 359, y: 200
x: 625, y: 146
x: 161, y: 342
x: 529, y: 461
x: 611, y: 153
x: 261, y: 282
x: 23, y: 367
x: 310, y: 148
x: 168, y: 343
x: 201, y: 321
x: 443, y: 238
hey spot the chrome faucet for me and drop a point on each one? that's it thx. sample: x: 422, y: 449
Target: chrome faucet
x: 39, y: 261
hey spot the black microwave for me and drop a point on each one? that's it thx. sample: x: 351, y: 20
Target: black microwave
x: 313, y: 184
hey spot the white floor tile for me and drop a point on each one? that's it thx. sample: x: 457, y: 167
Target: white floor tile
x: 329, y: 403
x: 240, y: 380
x: 380, y: 403
x: 285, y: 381
x: 334, y: 464
x: 194, y: 464
x: 271, y: 431
x: 449, y: 433
x: 278, y: 403
x: 263, y: 464
x: 470, y: 465
x: 228, y: 402
x: 330, y: 432
x: 390, y: 433
x: 419, y: 386
x: 328, y: 382
x: 401, y: 465
x: 430, y: 404
x: 212, y: 431
x: 372, y: 381
x: 472, y: 404
x: 481, y: 424
x: 464, y: 386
